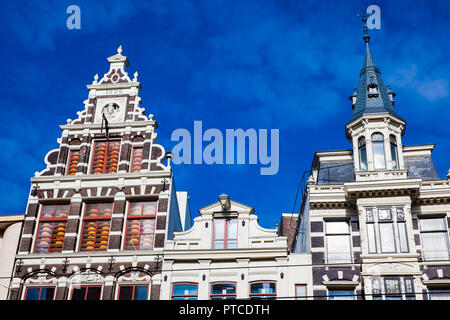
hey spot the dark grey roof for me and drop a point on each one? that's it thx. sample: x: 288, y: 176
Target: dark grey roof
x: 421, y: 167
x: 336, y: 172
x: 365, y: 105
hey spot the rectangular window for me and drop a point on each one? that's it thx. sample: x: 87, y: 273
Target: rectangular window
x: 385, y: 229
x: 140, y: 229
x: 263, y: 291
x: 376, y: 289
x: 223, y: 291
x: 435, y: 243
x: 184, y: 291
x: 392, y: 289
x: 105, y: 157
x: 52, y: 228
x: 387, y: 237
x: 225, y: 233
x: 409, y: 289
x: 72, y: 164
x: 338, y: 242
x: 341, y: 295
x: 300, y: 292
x: 96, y: 226
x: 40, y: 293
x: 133, y: 292
x: 439, y: 294
x: 136, y: 159
x: 87, y: 293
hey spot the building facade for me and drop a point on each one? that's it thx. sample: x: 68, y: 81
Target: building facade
x: 10, y: 227
x: 99, y: 214
x: 228, y: 255
x: 376, y: 218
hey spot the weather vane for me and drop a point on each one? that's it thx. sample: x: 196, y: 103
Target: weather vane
x: 364, y: 20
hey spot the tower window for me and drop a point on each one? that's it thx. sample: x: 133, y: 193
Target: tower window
x: 394, y: 153
x: 362, y: 154
x: 379, y: 159
x: 372, y: 90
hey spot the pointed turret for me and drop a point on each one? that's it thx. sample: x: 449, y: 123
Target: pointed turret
x: 371, y: 95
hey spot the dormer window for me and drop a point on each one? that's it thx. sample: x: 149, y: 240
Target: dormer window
x: 379, y: 159
x: 225, y: 233
x: 372, y: 90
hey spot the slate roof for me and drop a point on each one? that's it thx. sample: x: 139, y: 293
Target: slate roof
x: 336, y: 172
x: 365, y: 105
x: 421, y: 167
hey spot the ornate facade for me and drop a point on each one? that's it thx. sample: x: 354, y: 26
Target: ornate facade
x: 376, y: 217
x: 99, y: 214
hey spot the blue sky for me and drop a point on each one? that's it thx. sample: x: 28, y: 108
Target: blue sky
x: 281, y: 64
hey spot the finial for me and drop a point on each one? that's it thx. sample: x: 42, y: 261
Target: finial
x: 119, y: 50
x: 95, y: 78
x: 366, y: 30
x: 448, y: 174
x: 135, y: 76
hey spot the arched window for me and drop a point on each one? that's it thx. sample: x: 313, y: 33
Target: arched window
x: 394, y: 153
x: 379, y: 159
x: 362, y: 154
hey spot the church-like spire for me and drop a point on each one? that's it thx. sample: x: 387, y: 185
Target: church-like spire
x: 371, y: 95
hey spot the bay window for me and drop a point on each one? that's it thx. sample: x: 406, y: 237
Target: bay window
x: 52, y: 228
x: 140, y: 228
x: 225, y: 233
x: 39, y: 293
x: 263, y: 291
x: 337, y: 234
x: 435, y: 241
x: 96, y: 226
x: 184, y: 291
x: 105, y: 157
x: 223, y: 291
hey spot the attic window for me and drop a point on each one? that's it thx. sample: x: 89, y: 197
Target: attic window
x: 372, y: 90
